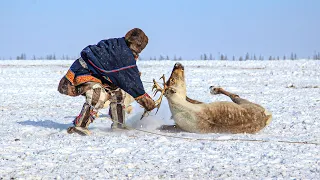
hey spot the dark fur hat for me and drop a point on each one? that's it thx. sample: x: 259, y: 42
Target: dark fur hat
x: 136, y: 40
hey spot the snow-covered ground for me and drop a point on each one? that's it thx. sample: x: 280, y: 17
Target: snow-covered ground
x: 34, y: 143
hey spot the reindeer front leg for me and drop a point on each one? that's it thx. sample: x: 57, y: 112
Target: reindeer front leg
x: 171, y: 128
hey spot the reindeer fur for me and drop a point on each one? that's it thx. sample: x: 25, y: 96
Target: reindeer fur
x: 239, y: 116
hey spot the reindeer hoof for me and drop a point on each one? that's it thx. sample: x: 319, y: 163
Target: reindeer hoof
x: 214, y: 90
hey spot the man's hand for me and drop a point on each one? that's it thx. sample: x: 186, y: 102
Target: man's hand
x: 147, y: 102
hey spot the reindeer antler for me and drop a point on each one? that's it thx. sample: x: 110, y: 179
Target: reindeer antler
x: 157, y: 88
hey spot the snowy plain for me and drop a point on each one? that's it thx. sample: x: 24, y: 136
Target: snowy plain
x: 34, y: 143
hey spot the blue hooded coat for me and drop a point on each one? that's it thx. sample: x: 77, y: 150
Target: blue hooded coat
x: 112, y: 62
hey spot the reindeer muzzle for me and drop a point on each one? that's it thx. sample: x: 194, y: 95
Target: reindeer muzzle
x: 178, y: 66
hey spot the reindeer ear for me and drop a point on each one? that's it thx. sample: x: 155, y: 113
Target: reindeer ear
x: 172, y: 90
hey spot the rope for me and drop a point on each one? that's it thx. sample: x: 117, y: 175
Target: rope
x: 148, y: 82
x: 221, y: 140
x: 216, y: 140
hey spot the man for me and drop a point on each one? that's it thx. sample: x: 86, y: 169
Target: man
x: 100, y: 73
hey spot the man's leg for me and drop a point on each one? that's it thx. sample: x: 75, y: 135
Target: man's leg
x: 96, y: 96
x: 116, y: 110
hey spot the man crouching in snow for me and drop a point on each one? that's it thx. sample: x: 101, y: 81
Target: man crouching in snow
x: 100, y: 72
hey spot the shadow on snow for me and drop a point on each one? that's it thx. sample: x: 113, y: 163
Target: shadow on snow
x: 46, y: 124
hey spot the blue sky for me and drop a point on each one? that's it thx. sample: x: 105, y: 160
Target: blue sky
x: 184, y: 28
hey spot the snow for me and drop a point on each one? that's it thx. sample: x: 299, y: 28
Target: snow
x: 34, y: 143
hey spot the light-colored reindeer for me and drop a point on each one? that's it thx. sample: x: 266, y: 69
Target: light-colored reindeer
x: 239, y: 116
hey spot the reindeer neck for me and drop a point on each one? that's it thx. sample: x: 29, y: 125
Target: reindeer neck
x: 178, y: 103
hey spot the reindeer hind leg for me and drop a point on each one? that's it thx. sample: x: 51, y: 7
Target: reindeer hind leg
x: 234, y: 97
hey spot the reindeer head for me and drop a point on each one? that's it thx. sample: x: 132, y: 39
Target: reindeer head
x: 174, y: 87
x: 176, y: 83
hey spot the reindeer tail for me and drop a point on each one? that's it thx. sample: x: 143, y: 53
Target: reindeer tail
x: 268, y: 117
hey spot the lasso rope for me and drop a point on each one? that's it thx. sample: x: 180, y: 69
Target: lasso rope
x: 216, y: 140
x: 148, y: 82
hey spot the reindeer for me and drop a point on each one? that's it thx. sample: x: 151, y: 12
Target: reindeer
x: 239, y: 116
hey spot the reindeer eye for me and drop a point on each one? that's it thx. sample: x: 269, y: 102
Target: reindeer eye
x: 172, y: 80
